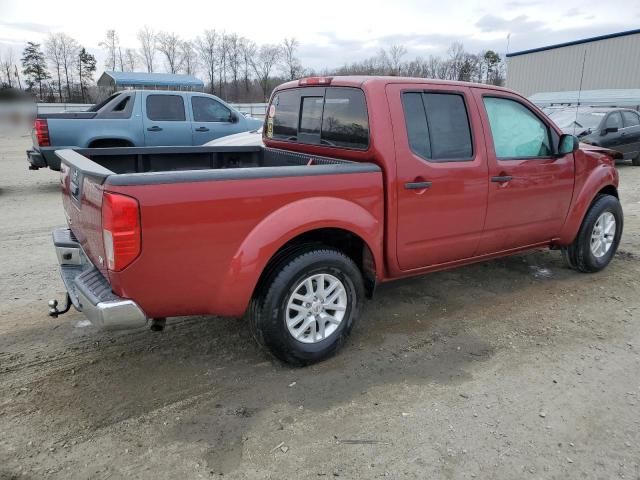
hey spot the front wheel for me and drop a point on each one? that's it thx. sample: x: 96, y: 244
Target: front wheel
x: 306, y: 308
x: 599, y: 236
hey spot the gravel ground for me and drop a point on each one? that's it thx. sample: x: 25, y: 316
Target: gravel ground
x: 516, y: 368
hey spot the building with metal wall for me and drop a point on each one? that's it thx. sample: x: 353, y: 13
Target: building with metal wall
x: 610, y: 62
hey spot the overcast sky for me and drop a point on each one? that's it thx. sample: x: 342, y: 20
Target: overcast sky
x: 331, y: 32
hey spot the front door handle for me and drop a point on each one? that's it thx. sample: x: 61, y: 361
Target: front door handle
x: 417, y: 185
x: 202, y: 129
x: 501, y: 178
x: 155, y: 128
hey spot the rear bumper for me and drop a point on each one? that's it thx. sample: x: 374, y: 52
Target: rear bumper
x: 35, y: 159
x: 89, y: 291
x: 45, y: 157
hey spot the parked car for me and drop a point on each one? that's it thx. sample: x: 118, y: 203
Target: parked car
x: 362, y: 180
x: 252, y: 137
x: 615, y: 128
x: 136, y: 118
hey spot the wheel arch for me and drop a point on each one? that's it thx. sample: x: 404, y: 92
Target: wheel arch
x: 329, y: 221
x: 604, y: 182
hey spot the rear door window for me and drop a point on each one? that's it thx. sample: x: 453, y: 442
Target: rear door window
x: 631, y: 119
x: 333, y: 116
x: 614, y: 120
x: 438, y: 126
x: 167, y: 108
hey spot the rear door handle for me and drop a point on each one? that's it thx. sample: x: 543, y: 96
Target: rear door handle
x: 155, y: 128
x: 202, y: 129
x: 417, y: 185
x: 501, y: 178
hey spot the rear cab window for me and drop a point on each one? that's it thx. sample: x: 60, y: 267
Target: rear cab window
x: 331, y: 116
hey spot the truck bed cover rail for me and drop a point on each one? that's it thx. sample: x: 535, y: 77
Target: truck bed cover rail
x: 161, y: 165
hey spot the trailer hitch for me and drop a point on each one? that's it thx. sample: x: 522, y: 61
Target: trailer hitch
x: 53, y: 307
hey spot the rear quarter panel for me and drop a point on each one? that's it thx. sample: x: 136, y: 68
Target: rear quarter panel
x: 79, y: 132
x: 205, y: 244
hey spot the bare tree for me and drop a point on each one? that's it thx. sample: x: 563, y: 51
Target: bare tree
x: 396, y: 52
x: 456, y: 57
x: 292, y: 66
x: 120, y: 58
x: 148, y: 47
x: 130, y: 60
x: 53, y: 54
x: 234, y: 60
x: 168, y: 45
x: 223, y: 54
x: 249, y: 49
x: 207, y: 48
x: 70, y: 49
x: 112, y: 44
x: 7, y: 63
x: 188, y: 57
x: 263, y: 64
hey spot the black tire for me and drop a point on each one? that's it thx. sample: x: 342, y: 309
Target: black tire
x: 635, y: 161
x: 268, y: 309
x: 579, y: 255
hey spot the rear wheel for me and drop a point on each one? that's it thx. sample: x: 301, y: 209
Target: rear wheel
x: 306, y: 308
x: 599, y: 236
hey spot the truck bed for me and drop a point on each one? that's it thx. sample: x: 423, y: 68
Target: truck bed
x: 205, y: 208
x: 148, y: 165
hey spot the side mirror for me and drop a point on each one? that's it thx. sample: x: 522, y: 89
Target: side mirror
x: 609, y: 130
x: 233, y: 118
x: 568, y: 144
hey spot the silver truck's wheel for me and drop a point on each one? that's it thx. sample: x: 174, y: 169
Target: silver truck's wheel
x: 598, y: 237
x: 307, y: 304
x: 316, y: 308
x: 604, y: 231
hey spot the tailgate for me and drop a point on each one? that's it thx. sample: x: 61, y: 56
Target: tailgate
x: 82, y: 186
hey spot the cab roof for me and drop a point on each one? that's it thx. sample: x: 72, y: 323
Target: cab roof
x: 363, y: 81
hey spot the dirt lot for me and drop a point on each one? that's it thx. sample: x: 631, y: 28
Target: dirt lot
x: 517, y: 368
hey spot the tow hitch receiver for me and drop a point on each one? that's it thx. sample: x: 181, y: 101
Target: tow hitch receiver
x: 53, y: 307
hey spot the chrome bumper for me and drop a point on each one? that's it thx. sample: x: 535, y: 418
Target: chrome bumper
x: 89, y: 291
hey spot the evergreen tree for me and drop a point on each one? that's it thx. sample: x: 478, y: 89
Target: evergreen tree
x: 86, y: 68
x: 34, y: 66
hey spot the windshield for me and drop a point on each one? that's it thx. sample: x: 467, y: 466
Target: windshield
x: 571, y: 119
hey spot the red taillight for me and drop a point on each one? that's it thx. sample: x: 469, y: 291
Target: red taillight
x: 120, y: 230
x: 315, y: 81
x: 42, y: 132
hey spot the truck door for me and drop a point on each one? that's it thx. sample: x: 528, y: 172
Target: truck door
x: 441, y: 173
x: 530, y: 189
x: 631, y: 133
x: 211, y: 119
x: 165, y: 120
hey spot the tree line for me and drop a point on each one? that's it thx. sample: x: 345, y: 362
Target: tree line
x: 232, y: 67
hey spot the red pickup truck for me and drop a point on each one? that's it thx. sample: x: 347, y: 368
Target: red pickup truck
x: 361, y: 180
